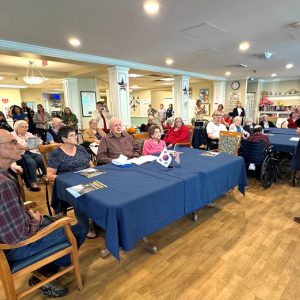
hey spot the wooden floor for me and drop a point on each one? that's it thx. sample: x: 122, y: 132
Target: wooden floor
x: 245, y: 248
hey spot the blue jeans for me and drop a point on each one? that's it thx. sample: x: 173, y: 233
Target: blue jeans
x: 58, y: 236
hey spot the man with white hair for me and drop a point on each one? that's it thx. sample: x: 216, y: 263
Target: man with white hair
x: 117, y: 142
x: 51, y: 136
x: 150, y: 122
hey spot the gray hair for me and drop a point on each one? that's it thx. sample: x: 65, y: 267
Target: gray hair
x: 249, y: 120
x: 237, y: 118
x: 170, y: 122
x: 217, y: 115
x: 18, y: 124
x: 265, y: 116
x: 91, y: 121
x: 180, y: 120
x: 111, y: 121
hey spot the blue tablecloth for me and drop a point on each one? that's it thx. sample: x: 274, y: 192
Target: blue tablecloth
x: 282, y: 143
x: 140, y: 200
x: 286, y: 131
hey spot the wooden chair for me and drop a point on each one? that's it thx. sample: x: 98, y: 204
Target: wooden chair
x: 45, y: 151
x: 273, y: 120
x: 140, y: 138
x: 229, y: 142
x: 10, y: 271
x: 189, y: 143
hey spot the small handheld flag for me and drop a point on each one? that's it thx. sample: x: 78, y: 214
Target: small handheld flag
x: 164, y: 159
x: 176, y: 154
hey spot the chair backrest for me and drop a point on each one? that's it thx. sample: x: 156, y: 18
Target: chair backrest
x: 273, y: 120
x: 140, y: 138
x: 191, y: 129
x: 21, y: 186
x: 80, y: 138
x: 253, y: 151
x: 229, y: 142
x: 45, y: 151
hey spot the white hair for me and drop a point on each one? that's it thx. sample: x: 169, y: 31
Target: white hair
x: 249, y: 120
x: 111, y: 121
x: 170, y: 122
x: 265, y: 116
x: 18, y: 124
x: 237, y: 118
x: 91, y: 121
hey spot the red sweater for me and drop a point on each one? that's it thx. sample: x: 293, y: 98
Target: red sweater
x: 167, y: 126
x: 182, y: 135
x: 292, y: 124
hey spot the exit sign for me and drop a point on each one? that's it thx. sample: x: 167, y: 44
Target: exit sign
x: 5, y: 100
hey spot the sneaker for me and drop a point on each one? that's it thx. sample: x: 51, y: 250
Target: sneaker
x: 52, y: 289
x: 212, y: 204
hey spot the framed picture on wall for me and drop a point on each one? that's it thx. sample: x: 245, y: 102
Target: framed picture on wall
x: 203, y: 95
x: 88, y: 103
x: 6, y: 109
x: 207, y: 109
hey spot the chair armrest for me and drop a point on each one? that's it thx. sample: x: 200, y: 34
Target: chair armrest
x: 30, y: 204
x: 182, y: 144
x: 215, y: 150
x: 40, y: 234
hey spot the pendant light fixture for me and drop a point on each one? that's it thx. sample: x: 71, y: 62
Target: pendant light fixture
x: 30, y: 78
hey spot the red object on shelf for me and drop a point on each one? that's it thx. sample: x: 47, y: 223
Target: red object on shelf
x: 265, y: 101
x: 44, y: 63
x: 4, y: 100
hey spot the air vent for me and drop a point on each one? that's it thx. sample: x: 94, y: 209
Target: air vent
x: 156, y: 75
x: 237, y: 66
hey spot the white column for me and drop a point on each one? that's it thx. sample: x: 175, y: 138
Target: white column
x: 108, y: 99
x: 181, y: 97
x: 119, y: 98
x: 219, y: 94
x: 72, y: 99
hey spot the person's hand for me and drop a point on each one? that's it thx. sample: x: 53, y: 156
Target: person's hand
x: 97, y: 141
x: 298, y: 131
x: 35, y: 215
x: 16, y: 168
x: 107, y: 110
x: 170, y: 146
x: 248, y: 135
x: 15, y: 120
x: 71, y: 124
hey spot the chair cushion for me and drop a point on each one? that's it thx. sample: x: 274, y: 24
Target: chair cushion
x: 18, y: 265
x: 140, y: 143
x: 228, y: 144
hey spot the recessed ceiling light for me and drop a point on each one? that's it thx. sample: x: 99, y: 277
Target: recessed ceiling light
x: 135, y: 87
x: 13, y: 86
x: 1, y: 78
x: 227, y: 73
x: 273, y: 75
x: 169, y: 61
x: 151, y: 7
x: 167, y: 79
x: 54, y: 93
x: 288, y: 66
x: 244, y: 46
x: 74, y: 42
x: 58, y: 89
x: 135, y: 75
x: 167, y: 83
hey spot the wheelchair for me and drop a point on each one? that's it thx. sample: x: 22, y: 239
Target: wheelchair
x: 255, y: 153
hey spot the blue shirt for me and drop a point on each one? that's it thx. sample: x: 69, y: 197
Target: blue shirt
x: 49, y: 136
x: 20, y: 117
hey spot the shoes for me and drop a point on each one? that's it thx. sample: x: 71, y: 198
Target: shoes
x: 52, y: 289
x: 35, y: 189
x: 212, y: 204
x: 297, y: 219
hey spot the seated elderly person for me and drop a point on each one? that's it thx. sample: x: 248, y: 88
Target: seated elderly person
x: 249, y: 125
x: 18, y: 225
x: 177, y: 134
x: 51, y: 135
x: 213, y: 128
x: 258, y: 135
x: 150, y: 123
x: 117, y: 142
x: 154, y: 144
x: 169, y: 124
x: 93, y: 134
x: 265, y: 123
x: 31, y: 158
x: 291, y: 121
x: 237, y: 127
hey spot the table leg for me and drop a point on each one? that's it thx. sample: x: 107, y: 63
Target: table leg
x: 104, y: 253
x: 194, y: 215
x: 150, y: 247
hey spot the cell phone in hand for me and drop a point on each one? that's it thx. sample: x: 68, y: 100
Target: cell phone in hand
x: 103, y: 108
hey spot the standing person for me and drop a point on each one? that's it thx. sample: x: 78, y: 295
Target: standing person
x: 151, y: 111
x: 70, y: 119
x: 170, y: 111
x: 3, y: 123
x: 30, y: 113
x: 102, y: 116
x: 220, y: 110
x: 17, y: 115
x: 161, y: 113
x: 41, y: 119
x: 199, y: 111
x: 239, y: 111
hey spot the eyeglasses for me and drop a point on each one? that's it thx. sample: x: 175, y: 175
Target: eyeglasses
x: 72, y: 135
x: 12, y: 142
x: 24, y: 127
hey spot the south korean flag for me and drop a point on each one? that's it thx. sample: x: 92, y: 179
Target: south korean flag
x: 164, y: 159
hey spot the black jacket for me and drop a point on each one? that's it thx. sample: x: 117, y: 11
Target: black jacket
x: 262, y: 124
x: 55, y: 136
x: 235, y: 112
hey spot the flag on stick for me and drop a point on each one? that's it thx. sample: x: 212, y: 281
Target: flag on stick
x: 164, y: 159
x: 176, y: 154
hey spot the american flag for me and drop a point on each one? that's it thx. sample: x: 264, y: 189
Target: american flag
x: 176, y: 154
x: 122, y: 85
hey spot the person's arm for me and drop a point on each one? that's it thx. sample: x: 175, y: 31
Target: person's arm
x: 136, y: 148
x: 35, y: 119
x: 49, y: 138
x: 96, y: 116
x: 267, y: 142
x: 75, y: 121
x: 65, y: 119
x: 51, y: 174
x: 88, y: 136
x: 49, y: 118
x: 15, y: 168
x: 232, y: 128
x: 184, y: 134
x: 26, y: 119
x: 210, y: 130
x: 102, y: 152
x: 10, y: 113
x: 91, y: 165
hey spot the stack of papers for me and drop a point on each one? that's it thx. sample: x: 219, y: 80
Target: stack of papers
x: 295, y: 139
x: 90, y: 172
x: 33, y: 142
x: 82, y: 189
x: 143, y: 159
x: 209, y: 153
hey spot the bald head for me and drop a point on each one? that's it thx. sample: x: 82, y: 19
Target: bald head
x: 57, y: 123
x: 115, y: 126
x: 150, y: 120
x: 5, y: 136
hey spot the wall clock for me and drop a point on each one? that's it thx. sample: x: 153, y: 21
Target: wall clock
x: 235, y: 85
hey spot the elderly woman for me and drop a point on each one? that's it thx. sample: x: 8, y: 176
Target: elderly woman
x: 70, y: 119
x: 93, y: 134
x: 31, y: 158
x: 249, y: 125
x: 291, y: 121
x: 69, y: 157
x: 236, y: 126
x: 265, y: 123
x: 226, y: 120
x: 170, y: 123
x: 17, y: 114
x: 3, y: 123
x: 154, y: 144
x: 177, y: 134
x: 41, y: 119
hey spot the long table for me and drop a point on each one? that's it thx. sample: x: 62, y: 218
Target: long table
x: 286, y: 131
x: 140, y: 200
x: 282, y: 143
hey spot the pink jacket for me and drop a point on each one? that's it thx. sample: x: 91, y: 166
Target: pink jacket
x: 150, y: 147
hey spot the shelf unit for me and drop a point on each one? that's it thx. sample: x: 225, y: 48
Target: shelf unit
x: 281, y: 115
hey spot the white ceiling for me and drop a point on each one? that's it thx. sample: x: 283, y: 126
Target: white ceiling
x: 123, y: 30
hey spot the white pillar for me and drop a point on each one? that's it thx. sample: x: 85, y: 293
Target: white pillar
x: 181, y: 97
x: 119, y: 98
x: 108, y: 99
x: 72, y: 98
x: 219, y: 94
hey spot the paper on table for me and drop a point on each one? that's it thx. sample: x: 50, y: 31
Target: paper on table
x: 296, y: 139
x: 32, y: 143
x: 209, y: 153
x: 143, y: 159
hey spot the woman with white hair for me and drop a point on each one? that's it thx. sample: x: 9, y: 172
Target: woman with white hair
x: 30, y: 158
x: 249, y: 125
x: 236, y: 127
x: 169, y: 124
x: 265, y: 123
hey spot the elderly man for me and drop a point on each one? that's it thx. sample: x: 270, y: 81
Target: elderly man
x: 213, y: 128
x: 150, y: 122
x: 18, y: 225
x: 258, y: 135
x: 117, y: 142
x: 51, y: 136
x: 102, y: 116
